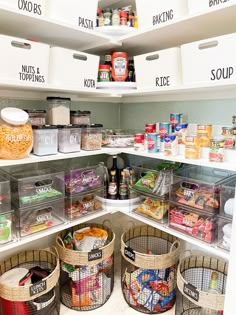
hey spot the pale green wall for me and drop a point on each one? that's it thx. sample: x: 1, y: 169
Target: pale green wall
x: 134, y: 116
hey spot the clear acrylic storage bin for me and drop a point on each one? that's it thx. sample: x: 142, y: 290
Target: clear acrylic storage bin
x: 200, y: 225
x: 34, y: 184
x: 91, y: 137
x: 6, y: 227
x: 224, y: 233
x: 5, y: 196
x: 80, y: 205
x: 69, y: 138
x: 227, y: 197
x: 118, y: 138
x: 198, y: 187
x: 45, y: 140
x: 149, y: 206
x: 79, y: 179
x: 39, y: 218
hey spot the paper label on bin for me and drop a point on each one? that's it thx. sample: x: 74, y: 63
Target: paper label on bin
x: 129, y: 253
x: 38, y: 288
x: 191, y: 291
x: 95, y: 254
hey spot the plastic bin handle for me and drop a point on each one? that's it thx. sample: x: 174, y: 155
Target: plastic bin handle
x: 207, y: 45
x: 18, y: 44
x: 152, y: 57
x: 175, y: 244
x: 80, y: 57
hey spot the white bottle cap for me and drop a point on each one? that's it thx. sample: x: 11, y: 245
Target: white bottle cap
x: 14, y: 116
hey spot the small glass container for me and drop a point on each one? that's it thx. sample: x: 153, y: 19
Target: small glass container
x: 80, y: 117
x: 91, y: 137
x: 45, y: 140
x: 107, y: 17
x: 58, y: 111
x: 37, y: 117
x: 69, y: 137
x: 115, y: 18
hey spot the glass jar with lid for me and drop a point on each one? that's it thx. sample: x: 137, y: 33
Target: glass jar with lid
x: 91, y: 137
x: 80, y: 117
x: 107, y: 17
x: 16, y: 135
x: 115, y: 18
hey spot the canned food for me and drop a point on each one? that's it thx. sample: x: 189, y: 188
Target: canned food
x: 181, y: 131
x: 175, y: 118
x: 164, y: 129
x: 229, y: 143
x: 234, y: 120
x: 170, y: 145
x: 204, y: 135
x: 192, y: 147
x: 153, y: 142
x: 139, y: 142
x: 226, y: 131
x: 216, y: 153
x: 150, y: 128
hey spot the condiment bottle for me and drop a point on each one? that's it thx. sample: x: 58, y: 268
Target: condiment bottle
x: 119, y: 66
x: 213, y: 289
x: 123, y: 187
x: 112, y: 188
x: 115, y: 18
x: 123, y: 17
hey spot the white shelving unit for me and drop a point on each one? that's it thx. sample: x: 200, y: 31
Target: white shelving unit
x: 187, y: 29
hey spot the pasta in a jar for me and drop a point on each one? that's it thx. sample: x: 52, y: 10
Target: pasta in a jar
x: 16, y: 135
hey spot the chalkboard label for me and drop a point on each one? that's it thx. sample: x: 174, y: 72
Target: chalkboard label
x: 38, y: 288
x: 129, y: 253
x: 191, y: 291
x: 95, y: 254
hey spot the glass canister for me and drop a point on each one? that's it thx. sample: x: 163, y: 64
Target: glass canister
x: 69, y: 138
x: 45, y: 140
x: 16, y: 135
x: 91, y: 137
x: 80, y: 117
x: 58, y: 110
x: 37, y: 117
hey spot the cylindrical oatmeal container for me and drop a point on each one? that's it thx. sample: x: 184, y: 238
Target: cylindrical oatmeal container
x: 91, y: 137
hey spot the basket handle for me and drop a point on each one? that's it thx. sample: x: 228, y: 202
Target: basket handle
x: 130, y: 224
x: 176, y: 243
x: 59, y: 240
x: 185, y: 254
x: 107, y: 223
x: 56, y: 251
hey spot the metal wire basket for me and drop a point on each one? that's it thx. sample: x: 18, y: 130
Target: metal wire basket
x: 148, y: 269
x: 35, y: 297
x: 193, y: 278
x: 87, y: 278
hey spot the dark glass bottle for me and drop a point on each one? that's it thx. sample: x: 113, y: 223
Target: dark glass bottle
x: 130, y: 77
x: 115, y: 168
x: 123, y: 187
x: 112, y: 188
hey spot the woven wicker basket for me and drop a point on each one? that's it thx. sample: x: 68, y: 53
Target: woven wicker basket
x: 31, y: 258
x: 193, y: 278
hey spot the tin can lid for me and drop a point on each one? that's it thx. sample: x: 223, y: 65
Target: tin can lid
x: 14, y: 116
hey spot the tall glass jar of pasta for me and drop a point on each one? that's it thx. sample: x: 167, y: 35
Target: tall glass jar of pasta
x: 16, y: 136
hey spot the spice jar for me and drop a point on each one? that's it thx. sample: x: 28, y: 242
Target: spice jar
x: 119, y: 66
x: 16, y: 135
x: 69, y: 138
x: 91, y: 137
x: 45, y: 140
x: 104, y: 73
x: 123, y: 17
x: 36, y: 117
x: 58, y: 111
x: 100, y: 18
x: 107, y: 17
x: 80, y: 117
x: 115, y: 18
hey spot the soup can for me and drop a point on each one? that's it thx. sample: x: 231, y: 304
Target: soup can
x: 175, y: 118
x: 150, y: 128
x: 164, y: 129
x: 192, y: 147
x: 216, y: 153
x: 153, y: 142
x: 139, y: 142
x: 204, y: 135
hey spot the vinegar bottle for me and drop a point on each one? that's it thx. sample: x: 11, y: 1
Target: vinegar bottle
x: 112, y: 188
x: 213, y: 288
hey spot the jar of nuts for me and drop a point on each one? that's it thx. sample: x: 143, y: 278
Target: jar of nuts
x: 16, y: 135
x: 91, y: 137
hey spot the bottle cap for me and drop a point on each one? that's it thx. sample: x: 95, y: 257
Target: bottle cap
x: 14, y: 116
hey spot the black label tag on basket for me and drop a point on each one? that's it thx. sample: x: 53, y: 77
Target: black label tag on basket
x: 95, y: 254
x: 191, y: 291
x: 129, y: 253
x: 38, y: 288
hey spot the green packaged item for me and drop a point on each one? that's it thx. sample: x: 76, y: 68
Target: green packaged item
x: 147, y: 182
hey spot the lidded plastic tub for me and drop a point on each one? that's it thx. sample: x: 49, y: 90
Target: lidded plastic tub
x: 37, y: 117
x: 58, y: 110
x: 80, y: 117
x: 69, y: 138
x: 16, y: 135
x: 91, y: 137
x: 45, y: 140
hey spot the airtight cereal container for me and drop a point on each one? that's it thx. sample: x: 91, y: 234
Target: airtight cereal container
x: 37, y: 117
x: 16, y: 135
x: 91, y: 137
x: 80, y: 117
x: 45, y: 140
x: 58, y: 110
x: 69, y: 137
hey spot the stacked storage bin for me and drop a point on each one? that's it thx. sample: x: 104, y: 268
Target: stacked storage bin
x: 37, y: 196
x: 6, y: 215
x: 195, y: 201
x: 84, y: 188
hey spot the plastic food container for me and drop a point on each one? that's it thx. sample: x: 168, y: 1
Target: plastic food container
x: 6, y: 230
x: 58, y: 111
x: 37, y: 117
x: 227, y: 197
x: 118, y: 138
x: 5, y: 196
x: 91, y: 137
x: 45, y: 140
x: 34, y: 184
x: 79, y: 117
x: 69, y: 138
x: 224, y: 233
x: 16, y: 135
